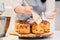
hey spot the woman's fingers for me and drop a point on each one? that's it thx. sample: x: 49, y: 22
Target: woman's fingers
x: 55, y: 10
x: 18, y: 9
x: 27, y: 10
x: 53, y: 14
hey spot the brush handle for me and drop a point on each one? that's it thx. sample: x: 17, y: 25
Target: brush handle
x: 35, y: 15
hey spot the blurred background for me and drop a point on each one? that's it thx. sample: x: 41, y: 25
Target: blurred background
x: 57, y: 22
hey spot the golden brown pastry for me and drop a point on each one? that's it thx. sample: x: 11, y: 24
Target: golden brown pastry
x: 43, y: 27
x: 22, y: 27
x: 46, y: 26
x: 37, y: 29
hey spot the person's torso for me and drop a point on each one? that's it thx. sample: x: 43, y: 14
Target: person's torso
x: 38, y: 5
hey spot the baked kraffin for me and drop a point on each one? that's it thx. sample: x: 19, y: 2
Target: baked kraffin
x: 25, y: 27
x: 22, y: 27
x: 37, y: 29
x: 43, y: 27
x: 46, y: 26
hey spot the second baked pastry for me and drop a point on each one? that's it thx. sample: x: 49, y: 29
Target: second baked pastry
x: 22, y: 27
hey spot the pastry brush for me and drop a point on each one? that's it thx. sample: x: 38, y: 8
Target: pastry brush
x: 36, y: 17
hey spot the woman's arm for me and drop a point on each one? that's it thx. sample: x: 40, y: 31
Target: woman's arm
x: 26, y: 10
x: 54, y: 11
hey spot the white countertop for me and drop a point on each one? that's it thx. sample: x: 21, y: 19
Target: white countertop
x: 55, y: 37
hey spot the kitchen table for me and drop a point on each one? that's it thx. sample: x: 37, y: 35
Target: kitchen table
x: 55, y: 37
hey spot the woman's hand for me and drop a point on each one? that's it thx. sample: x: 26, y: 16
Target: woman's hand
x: 18, y: 9
x: 26, y: 10
x: 53, y: 14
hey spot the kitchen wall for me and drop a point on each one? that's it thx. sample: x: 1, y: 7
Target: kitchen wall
x: 58, y: 16
x: 9, y: 4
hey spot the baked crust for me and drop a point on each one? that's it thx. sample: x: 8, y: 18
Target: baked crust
x: 22, y: 27
x: 46, y: 26
x: 37, y: 29
x: 43, y: 27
